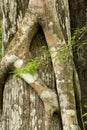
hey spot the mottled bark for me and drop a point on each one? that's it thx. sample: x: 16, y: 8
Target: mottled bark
x: 5, y: 67
x: 47, y: 76
x: 44, y: 14
x: 13, y: 13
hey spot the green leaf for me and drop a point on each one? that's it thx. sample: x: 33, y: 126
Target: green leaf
x: 84, y: 115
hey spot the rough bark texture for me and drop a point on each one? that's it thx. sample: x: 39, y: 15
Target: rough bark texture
x: 21, y: 100
x: 25, y: 100
x: 13, y: 12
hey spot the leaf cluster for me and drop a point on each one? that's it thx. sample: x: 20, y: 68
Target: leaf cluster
x: 85, y: 115
x: 78, y: 38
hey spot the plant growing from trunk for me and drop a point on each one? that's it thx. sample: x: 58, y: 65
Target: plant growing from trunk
x: 44, y: 14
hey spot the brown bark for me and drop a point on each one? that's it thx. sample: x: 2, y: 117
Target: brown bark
x: 44, y: 14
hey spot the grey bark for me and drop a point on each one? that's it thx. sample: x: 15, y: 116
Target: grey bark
x: 51, y: 24
x: 30, y: 104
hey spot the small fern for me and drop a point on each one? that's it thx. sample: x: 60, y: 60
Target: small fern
x: 34, y: 63
x: 85, y: 116
x: 31, y: 68
x: 63, y: 52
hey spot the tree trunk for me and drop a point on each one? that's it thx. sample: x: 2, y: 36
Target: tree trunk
x: 19, y: 97
x: 34, y: 106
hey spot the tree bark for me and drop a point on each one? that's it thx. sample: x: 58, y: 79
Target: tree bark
x: 21, y: 100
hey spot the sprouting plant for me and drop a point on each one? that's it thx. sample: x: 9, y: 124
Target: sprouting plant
x: 63, y: 52
x: 35, y: 63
